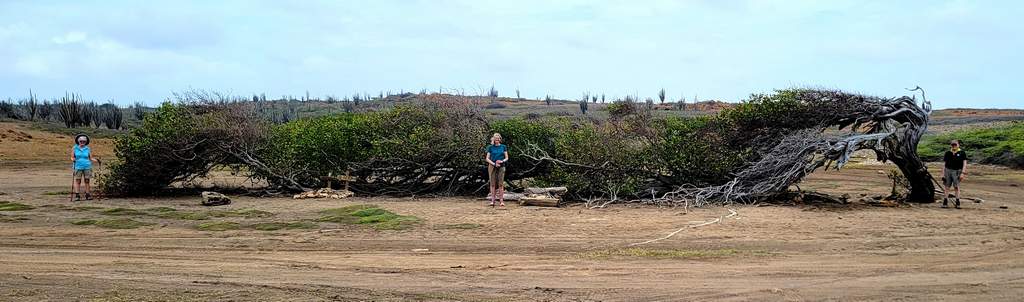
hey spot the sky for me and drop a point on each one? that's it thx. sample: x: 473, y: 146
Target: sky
x: 963, y: 53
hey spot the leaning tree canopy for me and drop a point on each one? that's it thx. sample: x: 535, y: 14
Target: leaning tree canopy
x: 891, y: 127
x: 434, y: 146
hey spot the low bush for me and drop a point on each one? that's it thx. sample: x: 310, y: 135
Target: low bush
x: 437, y: 148
x: 1001, y: 145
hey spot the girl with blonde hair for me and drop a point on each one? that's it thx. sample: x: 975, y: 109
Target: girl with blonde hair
x: 497, y: 158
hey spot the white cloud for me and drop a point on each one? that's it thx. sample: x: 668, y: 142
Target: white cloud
x: 71, y: 38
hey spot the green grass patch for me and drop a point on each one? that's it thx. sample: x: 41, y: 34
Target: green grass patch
x: 660, y: 253
x: 14, y: 206
x: 397, y: 223
x: 161, y: 209
x: 123, y: 212
x: 459, y: 226
x: 379, y: 218
x: 218, y: 226
x: 116, y: 223
x: 244, y: 213
x: 84, y: 208
x: 182, y: 215
x: 274, y: 226
x: 172, y: 213
x: 347, y: 210
x: 1001, y: 145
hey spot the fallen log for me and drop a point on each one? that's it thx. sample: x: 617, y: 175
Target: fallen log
x: 324, y: 193
x: 557, y: 191
x: 540, y: 200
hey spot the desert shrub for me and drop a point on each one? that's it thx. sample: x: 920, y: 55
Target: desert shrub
x: 695, y: 150
x: 495, y: 105
x: 437, y: 147
x: 8, y: 110
x: 605, y: 160
x: 621, y: 108
x: 1001, y: 145
x: 147, y: 160
x: 522, y: 135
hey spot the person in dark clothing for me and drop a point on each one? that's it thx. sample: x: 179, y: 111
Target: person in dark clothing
x: 954, y: 170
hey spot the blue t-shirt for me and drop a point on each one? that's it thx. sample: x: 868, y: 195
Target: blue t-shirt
x: 82, y: 158
x: 497, y: 152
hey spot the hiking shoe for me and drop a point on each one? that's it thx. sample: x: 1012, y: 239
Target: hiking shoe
x: 78, y: 197
x: 957, y: 204
x: 88, y: 196
x: 945, y: 203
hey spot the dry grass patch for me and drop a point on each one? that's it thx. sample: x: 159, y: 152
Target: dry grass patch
x: 12, y: 219
x: 458, y: 226
x: 117, y: 223
x: 647, y: 253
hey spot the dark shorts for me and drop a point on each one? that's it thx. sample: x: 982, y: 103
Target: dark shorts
x: 952, y: 178
x: 496, y: 176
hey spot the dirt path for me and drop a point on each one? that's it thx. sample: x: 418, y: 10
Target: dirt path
x: 463, y: 251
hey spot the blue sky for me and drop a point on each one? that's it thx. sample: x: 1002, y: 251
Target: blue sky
x: 964, y: 53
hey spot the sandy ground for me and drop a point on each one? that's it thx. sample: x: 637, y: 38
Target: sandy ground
x: 806, y: 252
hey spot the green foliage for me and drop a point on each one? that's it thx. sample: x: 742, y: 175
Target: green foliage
x: 621, y: 108
x: 218, y: 226
x: 118, y: 223
x: 1002, y: 145
x: 697, y: 151
x: 14, y: 206
x: 145, y: 165
x: 436, y: 148
x: 274, y: 226
x: 379, y: 218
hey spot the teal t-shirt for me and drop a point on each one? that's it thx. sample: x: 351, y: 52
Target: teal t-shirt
x: 82, y: 158
x: 497, y: 152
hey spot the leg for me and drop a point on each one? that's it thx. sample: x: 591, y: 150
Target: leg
x: 957, y: 202
x: 88, y: 191
x: 945, y: 196
x: 956, y: 188
x: 491, y: 183
x: 77, y: 189
x: 501, y: 185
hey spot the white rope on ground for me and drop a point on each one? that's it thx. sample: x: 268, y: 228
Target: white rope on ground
x: 713, y: 221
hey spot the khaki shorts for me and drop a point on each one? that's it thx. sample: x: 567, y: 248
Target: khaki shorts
x: 952, y: 178
x: 82, y: 174
x: 496, y: 175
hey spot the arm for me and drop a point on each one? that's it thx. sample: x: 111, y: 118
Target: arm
x: 506, y: 157
x: 488, y: 159
x: 963, y: 172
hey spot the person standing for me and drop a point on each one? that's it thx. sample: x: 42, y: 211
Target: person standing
x: 497, y: 158
x: 81, y: 158
x: 954, y: 170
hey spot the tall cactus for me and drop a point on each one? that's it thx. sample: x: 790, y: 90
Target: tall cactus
x: 70, y: 110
